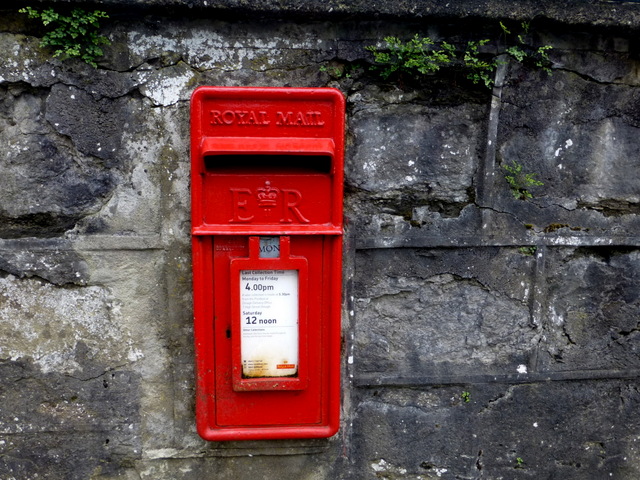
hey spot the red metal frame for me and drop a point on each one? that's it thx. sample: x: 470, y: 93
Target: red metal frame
x: 227, y: 220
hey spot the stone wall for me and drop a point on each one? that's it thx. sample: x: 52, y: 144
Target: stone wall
x: 485, y: 336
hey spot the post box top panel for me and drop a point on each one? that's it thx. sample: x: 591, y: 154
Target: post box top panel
x: 271, y: 112
x: 246, y: 139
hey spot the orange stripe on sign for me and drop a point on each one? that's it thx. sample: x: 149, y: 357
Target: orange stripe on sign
x: 281, y: 366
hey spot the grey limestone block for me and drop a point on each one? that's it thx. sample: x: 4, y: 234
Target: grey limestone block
x: 592, y: 310
x: 578, y: 135
x: 555, y: 430
x: 59, y: 426
x: 411, y: 167
x: 431, y: 312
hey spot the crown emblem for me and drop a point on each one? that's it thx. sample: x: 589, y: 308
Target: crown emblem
x: 267, y: 196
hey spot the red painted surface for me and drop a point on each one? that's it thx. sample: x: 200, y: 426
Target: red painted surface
x: 267, y: 162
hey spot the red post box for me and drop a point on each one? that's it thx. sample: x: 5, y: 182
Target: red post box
x: 267, y: 187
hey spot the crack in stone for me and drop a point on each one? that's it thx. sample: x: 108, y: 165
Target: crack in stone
x: 589, y: 78
x: 100, y: 375
x: 495, y: 402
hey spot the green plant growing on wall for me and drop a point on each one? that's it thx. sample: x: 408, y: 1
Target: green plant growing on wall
x: 422, y: 56
x: 333, y: 71
x: 528, y: 250
x: 466, y: 397
x: 479, y: 70
x: 417, y: 56
x: 521, y: 52
x: 341, y: 70
x: 520, y: 181
x: 71, y: 36
x: 519, y: 463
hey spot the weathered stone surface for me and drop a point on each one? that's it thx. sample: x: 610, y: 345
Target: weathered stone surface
x: 598, y: 12
x: 47, y: 184
x: 441, y: 312
x: 434, y: 433
x: 548, y: 427
x: 242, y: 467
x: 411, y: 166
x: 53, y: 260
x: 148, y: 341
x: 69, y: 330
x: 405, y: 434
x: 59, y: 426
x: 24, y: 60
x: 95, y: 127
x: 417, y: 151
x: 582, y: 149
x: 592, y: 312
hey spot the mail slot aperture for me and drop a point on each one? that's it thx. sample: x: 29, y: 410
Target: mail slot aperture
x: 259, y: 164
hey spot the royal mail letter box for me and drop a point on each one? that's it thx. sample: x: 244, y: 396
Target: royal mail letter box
x: 267, y: 186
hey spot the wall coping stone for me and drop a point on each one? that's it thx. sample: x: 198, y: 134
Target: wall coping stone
x: 602, y: 13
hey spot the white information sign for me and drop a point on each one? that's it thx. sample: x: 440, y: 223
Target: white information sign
x: 269, y: 323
